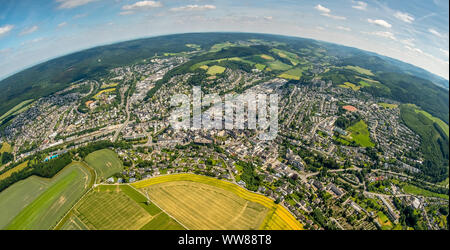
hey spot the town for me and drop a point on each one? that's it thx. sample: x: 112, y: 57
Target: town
x: 340, y: 159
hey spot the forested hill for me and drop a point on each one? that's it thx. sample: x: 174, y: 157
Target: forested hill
x: 406, y: 82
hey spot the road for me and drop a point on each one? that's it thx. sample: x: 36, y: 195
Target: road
x: 229, y: 170
x: 127, y: 106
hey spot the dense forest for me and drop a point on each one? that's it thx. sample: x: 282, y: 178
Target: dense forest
x: 434, y: 143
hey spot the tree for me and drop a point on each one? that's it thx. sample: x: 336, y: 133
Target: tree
x: 7, y: 157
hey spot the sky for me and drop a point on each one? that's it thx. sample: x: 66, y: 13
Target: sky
x: 413, y: 31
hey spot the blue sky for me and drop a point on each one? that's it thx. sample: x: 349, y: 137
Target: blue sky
x: 414, y: 31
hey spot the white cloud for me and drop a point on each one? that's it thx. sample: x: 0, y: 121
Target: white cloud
x: 414, y: 49
x: 29, y: 30
x: 344, y: 28
x: 142, y: 5
x: 434, y: 32
x: 334, y: 17
x: 380, y: 22
x: 194, y: 7
x: 405, y: 17
x: 322, y: 9
x: 128, y: 12
x: 69, y: 4
x: 36, y: 40
x: 326, y: 12
x: 62, y: 24
x: 5, y: 29
x: 81, y: 15
x: 4, y: 51
x: 408, y: 42
x: 360, y: 5
x: 445, y: 52
x: 385, y: 34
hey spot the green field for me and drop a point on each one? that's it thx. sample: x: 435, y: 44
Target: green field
x: 384, y: 221
x: 39, y: 203
x: 411, y: 189
x: 214, y: 70
x: 442, y: 124
x: 360, y: 134
x: 19, y: 108
x: 260, y: 66
x: 220, y: 46
x: 295, y: 74
x: 434, y: 141
x: 444, y: 182
x: 116, y: 207
x: 288, y: 55
x: 109, y: 85
x: 349, y: 85
x: 105, y: 162
x: 5, y: 148
x: 359, y: 70
x: 388, y: 105
x: 278, y: 65
x: 193, y: 46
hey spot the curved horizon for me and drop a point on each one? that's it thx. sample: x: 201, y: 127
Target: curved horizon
x: 209, y: 32
x: 32, y: 33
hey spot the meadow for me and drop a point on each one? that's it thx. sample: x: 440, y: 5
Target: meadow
x: 266, y: 214
x: 105, y: 162
x: 411, y: 189
x: 214, y: 70
x: 295, y: 74
x: 39, y: 203
x: 293, y: 58
x: 360, y: 70
x: 5, y: 148
x: 360, y: 134
x: 388, y: 105
x: 349, y: 85
x: 384, y: 221
x: 440, y: 123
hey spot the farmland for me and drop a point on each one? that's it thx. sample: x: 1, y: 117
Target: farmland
x: 360, y: 70
x: 13, y: 170
x: 105, y: 163
x: 278, y: 65
x: 295, y: 74
x: 116, y: 207
x: 190, y: 197
x: 43, y: 202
